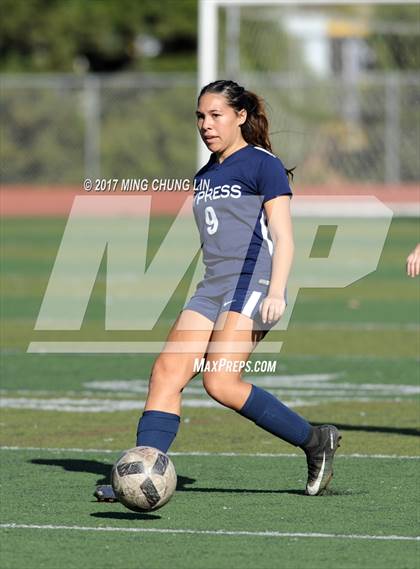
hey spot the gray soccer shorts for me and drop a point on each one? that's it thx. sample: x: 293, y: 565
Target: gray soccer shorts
x: 211, y: 299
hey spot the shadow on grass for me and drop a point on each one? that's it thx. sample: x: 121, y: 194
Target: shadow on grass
x: 103, y: 469
x: 373, y: 429
x: 240, y: 491
x: 183, y: 483
x: 125, y: 516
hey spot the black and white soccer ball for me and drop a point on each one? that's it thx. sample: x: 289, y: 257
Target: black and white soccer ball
x: 143, y: 479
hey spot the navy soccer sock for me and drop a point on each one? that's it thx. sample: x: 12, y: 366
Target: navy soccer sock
x: 271, y: 415
x: 157, y: 429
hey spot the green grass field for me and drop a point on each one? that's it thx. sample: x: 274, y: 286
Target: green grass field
x: 350, y: 356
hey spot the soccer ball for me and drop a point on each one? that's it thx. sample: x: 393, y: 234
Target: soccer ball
x: 143, y: 479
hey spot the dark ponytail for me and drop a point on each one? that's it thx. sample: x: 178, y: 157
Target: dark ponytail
x: 255, y: 128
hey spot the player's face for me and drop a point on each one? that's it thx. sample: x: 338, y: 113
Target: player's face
x: 219, y: 124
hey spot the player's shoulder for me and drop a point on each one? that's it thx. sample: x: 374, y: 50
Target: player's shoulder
x: 271, y: 173
x: 262, y: 155
x: 266, y: 164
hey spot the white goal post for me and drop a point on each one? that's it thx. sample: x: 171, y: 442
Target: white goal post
x: 208, y: 36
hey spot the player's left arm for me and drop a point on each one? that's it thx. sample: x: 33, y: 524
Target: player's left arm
x: 280, y: 225
x: 413, y: 262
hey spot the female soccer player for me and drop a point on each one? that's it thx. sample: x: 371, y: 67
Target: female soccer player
x: 241, y: 206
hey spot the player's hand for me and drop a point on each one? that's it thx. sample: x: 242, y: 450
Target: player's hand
x: 272, y: 308
x: 413, y: 262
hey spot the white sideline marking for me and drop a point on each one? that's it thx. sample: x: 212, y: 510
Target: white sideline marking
x: 295, y: 390
x: 299, y: 386
x: 216, y: 532
x: 91, y: 405
x: 204, y: 453
x: 141, y: 385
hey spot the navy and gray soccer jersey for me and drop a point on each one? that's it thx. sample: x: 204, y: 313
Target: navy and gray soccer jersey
x: 229, y: 211
x: 237, y: 249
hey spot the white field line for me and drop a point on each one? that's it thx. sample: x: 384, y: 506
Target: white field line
x: 220, y: 532
x: 296, y: 390
x: 286, y: 383
x: 92, y: 405
x: 88, y: 405
x: 204, y: 453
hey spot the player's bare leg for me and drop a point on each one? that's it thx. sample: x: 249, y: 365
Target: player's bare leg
x: 171, y: 372
x: 229, y: 389
x: 234, y: 338
x: 174, y: 367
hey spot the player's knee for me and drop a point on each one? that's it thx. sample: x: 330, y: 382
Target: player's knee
x: 218, y: 387
x: 166, y: 376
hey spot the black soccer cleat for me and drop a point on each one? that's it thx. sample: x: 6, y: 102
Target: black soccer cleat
x: 320, y: 460
x: 105, y: 493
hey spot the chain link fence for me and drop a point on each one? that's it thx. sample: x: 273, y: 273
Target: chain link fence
x: 58, y: 129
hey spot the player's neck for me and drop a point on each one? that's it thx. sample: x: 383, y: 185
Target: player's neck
x: 230, y: 150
